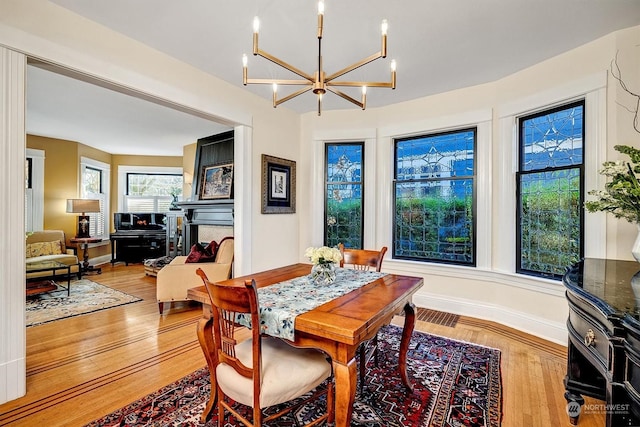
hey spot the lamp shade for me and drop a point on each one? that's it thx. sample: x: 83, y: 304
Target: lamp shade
x: 83, y: 205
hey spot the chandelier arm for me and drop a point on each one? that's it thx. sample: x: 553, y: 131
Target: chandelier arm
x: 278, y: 81
x: 347, y: 97
x: 354, y: 66
x: 360, y: 84
x: 319, y: 56
x: 283, y: 64
x: 291, y: 96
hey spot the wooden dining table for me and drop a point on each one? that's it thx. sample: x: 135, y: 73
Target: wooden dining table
x: 337, y: 327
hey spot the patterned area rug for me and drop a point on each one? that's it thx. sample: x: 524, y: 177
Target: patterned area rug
x: 86, y: 297
x: 455, y: 384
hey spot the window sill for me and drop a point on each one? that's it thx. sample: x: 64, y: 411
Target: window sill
x: 531, y: 283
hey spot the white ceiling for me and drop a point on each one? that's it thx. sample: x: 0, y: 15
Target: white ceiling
x: 439, y: 45
x: 66, y: 108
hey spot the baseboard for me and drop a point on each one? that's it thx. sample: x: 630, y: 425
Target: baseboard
x: 552, y: 331
x: 12, y: 380
x: 104, y: 259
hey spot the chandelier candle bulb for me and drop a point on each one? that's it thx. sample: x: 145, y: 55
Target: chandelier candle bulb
x: 364, y: 97
x: 393, y: 74
x: 320, y: 18
x: 275, y: 95
x: 384, y: 27
x: 256, y: 28
x: 244, y: 69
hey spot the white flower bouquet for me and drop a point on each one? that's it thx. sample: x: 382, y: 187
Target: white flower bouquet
x: 323, y: 255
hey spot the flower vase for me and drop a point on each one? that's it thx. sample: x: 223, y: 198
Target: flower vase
x: 323, y: 273
x: 635, y: 249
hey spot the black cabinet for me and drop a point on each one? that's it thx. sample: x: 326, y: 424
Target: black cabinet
x: 604, y: 339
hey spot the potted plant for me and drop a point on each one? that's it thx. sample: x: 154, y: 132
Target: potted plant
x: 621, y: 195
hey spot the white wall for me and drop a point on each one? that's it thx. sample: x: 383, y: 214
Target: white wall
x: 492, y: 290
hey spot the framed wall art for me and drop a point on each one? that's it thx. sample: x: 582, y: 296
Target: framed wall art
x: 211, y: 150
x: 217, y: 181
x: 278, y: 185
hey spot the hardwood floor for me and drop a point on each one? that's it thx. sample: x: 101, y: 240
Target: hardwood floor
x: 81, y: 368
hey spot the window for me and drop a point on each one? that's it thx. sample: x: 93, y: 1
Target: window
x: 28, y: 194
x: 34, y: 190
x: 95, y: 185
x: 149, y: 192
x: 549, y: 186
x: 344, y: 165
x: 434, y: 197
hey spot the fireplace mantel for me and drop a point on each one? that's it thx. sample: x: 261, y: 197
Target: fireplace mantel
x: 204, y: 212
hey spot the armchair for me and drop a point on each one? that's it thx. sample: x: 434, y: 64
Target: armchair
x: 175, y: 278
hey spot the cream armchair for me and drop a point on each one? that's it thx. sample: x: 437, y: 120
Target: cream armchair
x: 175, y: 278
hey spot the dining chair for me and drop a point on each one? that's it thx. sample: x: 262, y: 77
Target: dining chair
x: 364, y: 259
x: 261, y: 371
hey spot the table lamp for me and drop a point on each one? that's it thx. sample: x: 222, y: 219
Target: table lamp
x: 83, y: 206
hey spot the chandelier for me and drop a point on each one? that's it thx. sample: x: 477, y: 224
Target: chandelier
x: 319, y: 82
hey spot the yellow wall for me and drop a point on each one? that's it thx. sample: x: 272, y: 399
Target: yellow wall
x: 188, y: 164
x: 61, y: 170
x: 62, y: 180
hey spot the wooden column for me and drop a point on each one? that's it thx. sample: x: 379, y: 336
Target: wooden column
x: 12, y: 239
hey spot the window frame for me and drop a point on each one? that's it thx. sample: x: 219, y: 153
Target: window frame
x: 123, y: 171
x: 474, y: 177
x: 520, y: 173
x: 379, y: 181
x: 361, y: 144
x: 156, y: 198
x: 593, y: 90
x: 34, y: 196
x: 104, y: 195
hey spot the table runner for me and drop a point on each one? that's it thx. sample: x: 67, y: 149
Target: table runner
x: 280, y: 303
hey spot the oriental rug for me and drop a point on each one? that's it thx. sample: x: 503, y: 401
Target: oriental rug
x: 86, y: 297
x: 455, y: 384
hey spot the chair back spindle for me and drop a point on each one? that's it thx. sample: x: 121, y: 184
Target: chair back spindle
x: 362, y: 259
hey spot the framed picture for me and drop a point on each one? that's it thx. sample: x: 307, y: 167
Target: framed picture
x: 217, y: 181
x: 278, y: 185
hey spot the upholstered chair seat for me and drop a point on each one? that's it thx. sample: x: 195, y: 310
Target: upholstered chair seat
x: 286, y: 373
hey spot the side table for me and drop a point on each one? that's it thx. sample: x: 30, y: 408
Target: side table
x: 84, y: 242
